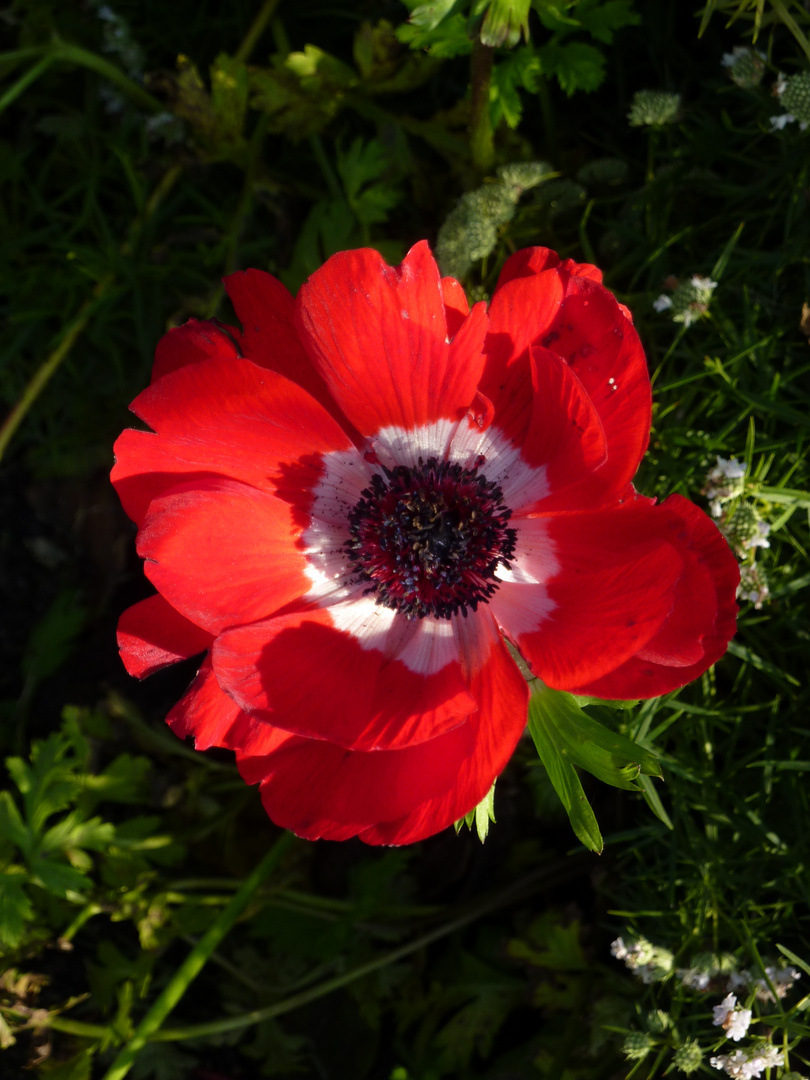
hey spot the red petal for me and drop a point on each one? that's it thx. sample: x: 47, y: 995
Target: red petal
x: 269, y: 338
x: 152, y: 635
x: 456, y: 308
x: 531, y: 261
x: 300, y: 673
x: 205, y: 712
x: 221, y: 417
x: 378, y: 335
x: 321, y: 791
x: 611, y: 593
x: 565, y: 433
x: 601, y: 345
x: 502, y: 697
x: 191, y: 343
x: 223, y: 553
x: 702, y: 622
x: 518, y: 314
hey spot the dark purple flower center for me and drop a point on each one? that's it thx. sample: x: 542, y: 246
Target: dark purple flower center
x: 428, y: 540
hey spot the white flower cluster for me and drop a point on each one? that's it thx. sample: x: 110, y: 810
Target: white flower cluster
x: 689, y: 301
x: 741, y: 525
x: 748, y: 1064
x: 745, y: 65
x: 732, y: 1018
x: 794, y: 93
x: 649, y: 962
x: 723, y: 483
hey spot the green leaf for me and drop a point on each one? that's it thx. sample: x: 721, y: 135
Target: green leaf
x: 601, y: 18
x: 521, y: 70
x: 77, y: 1068
x: 611, y: 757
x: 563, y: 775
x: 53, y: 638
x: 358, y: 166
x: 576, y: 65
x: 15, y: 908
x: 428, y: 16
x: 481, y: 815
x: 12, y: 826
x: 444, y: 42
x: 58, y: 878
x: 72, y: 831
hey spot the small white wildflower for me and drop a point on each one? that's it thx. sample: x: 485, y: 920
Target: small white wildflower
x: 760, y: 540
x: 769, y: 1056
x: 618, y: 949
x: 663, y: 303
x: 722, y: 1011
x: 694, y: 979
x: 778, y: 123
x: 780, y: 86
x: 734, y: 1065
x: 703, y: 283
x: 733, y: 1020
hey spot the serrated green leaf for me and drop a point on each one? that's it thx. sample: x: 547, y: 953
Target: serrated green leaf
x: 15, y: 908
x: 72, y: 831
x: 521, y: 70
x: 12, y: 826
x: 563, y: 776
x: 58, y: 878
x: 428, y: 16
x: 445, y: 42
x: 602, y: 18
x: 575, y: 64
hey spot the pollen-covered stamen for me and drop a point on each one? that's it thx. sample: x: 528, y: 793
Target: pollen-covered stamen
x: 429, y: 539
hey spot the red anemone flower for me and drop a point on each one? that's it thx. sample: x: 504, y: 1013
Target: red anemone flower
x: 352, y: 501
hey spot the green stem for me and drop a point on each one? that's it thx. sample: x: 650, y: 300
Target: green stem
x: 482, y: 146
x: 45, y: 371
x: 783, y: 13
x: 257, y: 28
x: 195, y: 961
x: 548, y: 875
x: 25, y: 81
x: 75, y: 54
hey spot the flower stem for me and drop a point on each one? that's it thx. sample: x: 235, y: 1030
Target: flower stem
x: 482, y: 145
x: 546, y: 876
x: 195, y: 961
x: 257, y: 28
x: 25, y: 81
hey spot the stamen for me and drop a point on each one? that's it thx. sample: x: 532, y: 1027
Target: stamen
x: 428, y: 540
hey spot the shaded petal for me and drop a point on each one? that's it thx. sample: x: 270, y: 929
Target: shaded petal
x: 265, y: 308
x: 613, y: 589
x: 321, y: 791
x: 378, y: 336
x: 223, y: 553
x: 703, y: 620
x: 565, y: 434
x: 530, y: 261
x: 224, y: 417
x: 502, y: 696
x: 190, y: 343
x: 518, y: 314
x: 304, y: 674
x: 204, y: 712
x: 456, y: 308
x: 597, y: 339
x: 152, y: 635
